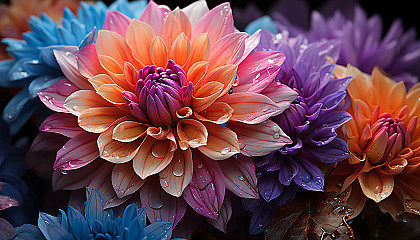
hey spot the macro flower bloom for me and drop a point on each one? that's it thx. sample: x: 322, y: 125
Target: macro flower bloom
x: 160, y: 99
x: 310, y: 122
x: 34, y: 66
x: 363, y: 42
x: 95, y: 223
x: 383, y: 141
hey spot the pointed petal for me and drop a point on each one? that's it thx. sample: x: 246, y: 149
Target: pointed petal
x: 281, y: 94
x: 54, y: 96
x: 206, y: 95
x: 227, y: 50
x: 181, y: 49
x: 64, y: 124
x: 112, y: 93
x: 99, y: 80
x: 117, y: 22
x: 224, y: 74
x: 192, y: 133
x: 176, y: 22
x: 139, y: 37
x: 200, y: 49
x: 98, y: 119
x: 195, y: 11
x: 88, y: 62
x: 124, y: 180
x: 81, y: 100
x: 197, y: 71
x: 158, y: 52
x: 225, y: 214
x: 259, y: 139
x: 154, y: 16
x: 177, y: 175
x: 222, y: 142
x: 375, y: 185
x: 218, y: 112
x: 112, y: 51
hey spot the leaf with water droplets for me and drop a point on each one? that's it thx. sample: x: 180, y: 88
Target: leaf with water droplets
x: 317, y: 216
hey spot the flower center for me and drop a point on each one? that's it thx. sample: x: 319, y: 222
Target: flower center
x: 159, y: 94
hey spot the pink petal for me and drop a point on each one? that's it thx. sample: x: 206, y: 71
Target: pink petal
x: 218, y: 22
x: 227, y: 50
x: 258, y: 70
x: 54, y: 96
x: 68, y: 64
x: 102, y: 183
x: 251, y: 42
x: 240, y: 178
x: 117, y: 22
x: 280, y: 94
x: 6, y: 201
x: 195, y: 11
x: 77, y: 152
x: 251, y: 108
x: 88, y: 62
x: 206, y: 190
x: 225, y: 214
x: 259, y: 139
x: 154, y: 16
x: 160, y: 206
x: 124, y: 180
x: 64, y: 124
x: 78, y: 178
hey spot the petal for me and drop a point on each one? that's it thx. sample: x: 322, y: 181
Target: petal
x: 7, y: 231
x: 225, y: 214
x: 218, y: 23
x: 154, y: 16
x: 98, y: 119
x: 112, y: 51
x: 335, y: 151
x: 181, y: 49
x: 222, y: 142
x: 269, y: 187
x: 81, y: 100
x: 206, y: 191
x: 61, y: 123
x: 116, y: 151
x: 224, y: 74
x: 192, y: 133
x: 124, y: 180
x: 99, y: 80
x: 129, y: 131
x: 160, y: 206
x: 218, y: 112
x: 54, y: 96
x: 153, y: 156
x: 200, y: 49
x: 197, y: 71
x: 112, y: 93
x: 88, y: 62
x: 240, y: 178
x: 177, y: 175
x: 139, y: 37
x: 158, y: 52
x: 227, y: 50
x: 77, y: 152
x: 281, y: 94
x: 117, y: 22
x: 259, y: 139
x: 176, y: 22
x: 206, y: 95
x: 195, y: 11
x: 251, y: 108
x: 309, y: 176
x: 376, y: 185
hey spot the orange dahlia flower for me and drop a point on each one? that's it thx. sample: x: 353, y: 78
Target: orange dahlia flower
x: 383, y: 139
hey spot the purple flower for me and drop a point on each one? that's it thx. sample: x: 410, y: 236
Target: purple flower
x: 310, y: 121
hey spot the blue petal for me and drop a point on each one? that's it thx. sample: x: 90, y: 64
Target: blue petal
x: 41, y: 83
x: 111, y: 228
x: 129, y: 214
x: 90, y: 38
x: 264, y: 22
x: 78, y: 224
x: 58, y: 232
x: 47, y: 56
x: 94, y: 208
x: 45, y: 221
x: 27, y: 232
x: 158, y: 231
x: 4, y: 69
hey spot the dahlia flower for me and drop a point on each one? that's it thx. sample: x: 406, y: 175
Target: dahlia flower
x: 363, y: 43
x: 310, y: 121
x: 35, y: 68
x: 383, y: 139
x: 95, y: 223
x: 162, y: 101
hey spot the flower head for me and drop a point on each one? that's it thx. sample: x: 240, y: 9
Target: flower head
x: 310, y: 122
x: 35, y: 67
x: 161, y: 98
x: 382, y: 140
x: 96, y: 223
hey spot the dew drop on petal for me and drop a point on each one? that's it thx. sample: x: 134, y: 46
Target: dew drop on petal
x: 178, y: 168
x: 225, y: 151
x: 241, y: 177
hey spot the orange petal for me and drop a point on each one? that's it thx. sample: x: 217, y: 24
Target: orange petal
x: 177, y: 175
x: 116, y: 151
x: 218, y: 112
x: 110, y: 64
x: 139, y: 37
x: 153, y: 156
x: 124, y: 180
x: 157, y: 132
x: 130, y: 74
x: 222, y: 142
x: 176, y: 22
x: 158, y: 52
x: 227, y: 50
x: 206, y: 95
x: 191, y: 132
x: 396, y: 98
x: 99, y: 80
x: 129, y: 131
x: 394, y: 167
x: 81, y: 100
x: 200, y: 49
x: 181, y: 49
x: 98, y: 119
x: 197, y: 71
x: 184, y: 112
x: 224, y: 74
x: 382, y: 83
x: 376, y: 149
x: 375, y: 185
x: 111, y: 45
x: 112, y: 93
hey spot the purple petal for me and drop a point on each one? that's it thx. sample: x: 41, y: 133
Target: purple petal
x: 288, y: 171
x: 269, y: 186
x: 309, y: 176
x: 333, y: 152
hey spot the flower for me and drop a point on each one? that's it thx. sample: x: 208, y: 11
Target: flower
x: 160, y: 99
x: 96, y: 223
x: 363, y: 44
x: 310, y: 122
x: 383, y: 141
x: 35, y: 68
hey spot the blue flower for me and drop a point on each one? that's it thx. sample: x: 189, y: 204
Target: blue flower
x: 35, y: 67
x: 95, y: 223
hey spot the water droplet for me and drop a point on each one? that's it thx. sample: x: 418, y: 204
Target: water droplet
x: 276, y: 135
x: 267, y: 194
x: 164, y: 183
x: 158, y: 219
x: 64, y: 172
x: 241, y: 177
x: 275, y: 128
x: 305, y: 178
x: 225, y: 151
x: 178, y: 168
x: 159, y: 149
x: 154, y: 200
x: 47, y: 127
x: 200, y: 165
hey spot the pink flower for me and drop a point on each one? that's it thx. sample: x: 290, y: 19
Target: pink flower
x: 167, y: 100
